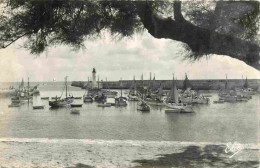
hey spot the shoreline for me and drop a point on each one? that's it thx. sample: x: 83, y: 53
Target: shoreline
x: 42, y: 152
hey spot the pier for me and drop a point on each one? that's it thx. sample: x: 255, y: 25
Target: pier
x: 211, y: 84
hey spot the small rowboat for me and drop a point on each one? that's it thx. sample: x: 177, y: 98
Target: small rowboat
x: 14, y: 105
x: 38, y: 107
x: 74, y: 111
x: 45, y: 98
x: 172, y: 110
x: 218, y: 101
x: 76, y: 105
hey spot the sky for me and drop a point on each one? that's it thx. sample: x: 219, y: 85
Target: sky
x: 116, y: 58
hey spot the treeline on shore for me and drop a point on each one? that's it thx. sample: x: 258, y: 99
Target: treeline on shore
x: 195, y: 84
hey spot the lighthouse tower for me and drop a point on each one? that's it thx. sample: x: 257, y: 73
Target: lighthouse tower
x: 94, y: 82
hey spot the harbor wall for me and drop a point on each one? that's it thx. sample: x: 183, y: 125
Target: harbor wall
x: 196, y: 84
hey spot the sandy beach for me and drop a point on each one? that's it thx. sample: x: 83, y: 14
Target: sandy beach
x: 73, y: 153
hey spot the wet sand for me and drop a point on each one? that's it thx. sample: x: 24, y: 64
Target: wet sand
x: 85, y: 153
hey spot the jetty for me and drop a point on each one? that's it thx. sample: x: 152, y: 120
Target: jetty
x: 212, y: 84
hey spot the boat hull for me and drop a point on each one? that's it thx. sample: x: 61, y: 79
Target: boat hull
x: 88, y: 99
x: 180, y: 108
x: 38, y: 107
x: 76, y: 105
x: 56, y: 104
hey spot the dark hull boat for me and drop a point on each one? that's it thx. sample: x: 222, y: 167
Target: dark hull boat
x: 38, y: 107
x: 143, y: 107
x: 76, y: 105
x: 45, y: 98
x: 58, y: 102
x: 100, y: 99
x: 88, y: 99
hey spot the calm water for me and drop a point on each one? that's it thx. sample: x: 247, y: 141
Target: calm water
x: 210, y: 123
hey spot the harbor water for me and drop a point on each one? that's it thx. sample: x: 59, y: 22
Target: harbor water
x: 227, y: 122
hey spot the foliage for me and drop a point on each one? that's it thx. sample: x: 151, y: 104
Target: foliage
x: 46, y: 23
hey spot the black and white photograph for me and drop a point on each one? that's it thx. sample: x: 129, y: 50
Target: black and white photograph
x: 129, y: 84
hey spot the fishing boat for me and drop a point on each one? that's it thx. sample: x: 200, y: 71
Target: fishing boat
x: 172, y: 101
x: 228, y: 95
x: 247, y: 90
x: 132, y: 94
x: 142, y: 105
x: 200, y: 100
x: 37, y: 102
x: 45, y: 98
x: 59, y: 102
x: 87, y: 99
x: 88, y: 96
x: 156, y: 99
x: 100, y: 98
x: 206, y: 95
x: 22, y: 94
x: 14, y: 105
x: 121, y: 101
x: 76, y: 105
x: 38, y: 107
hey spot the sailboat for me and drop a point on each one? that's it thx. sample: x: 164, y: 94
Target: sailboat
x: 156, y: 99
x: 120, y: 101
x: 107, y: 92
x: 190, y: 96
x: 58, y: 102
x: 22, y: 94
x: 87, y: 97
x: 142, y: 105
x: 227, y: 95
x: 37, y: 102
x: 132, y: 95
x: 172, y: 102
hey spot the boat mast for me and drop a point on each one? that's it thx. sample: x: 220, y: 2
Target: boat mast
x: 98, y: 81
x: 66, y: 86
x: 121, y: 86
x: 28, y: 90
x: 142, y: 87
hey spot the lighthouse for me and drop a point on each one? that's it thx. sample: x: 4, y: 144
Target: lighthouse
x: 94, y: 82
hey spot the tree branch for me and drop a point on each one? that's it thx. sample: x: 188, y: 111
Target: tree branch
x: 201, y: 41
x: 14, y: 40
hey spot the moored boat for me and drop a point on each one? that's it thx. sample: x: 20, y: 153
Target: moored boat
x: 59, y: 102
x: 121, y: 101
x: 14, y: 105
x: 172, y: 101
x: 38, y: 106
x: 218, y: 101
x: 143, y: 106
x: 45, y: 98
x: 76, y: 105
x: 87, y: 99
